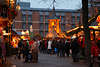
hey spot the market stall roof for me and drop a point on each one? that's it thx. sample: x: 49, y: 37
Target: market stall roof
x: 13, y: 33
x: 92, y: 22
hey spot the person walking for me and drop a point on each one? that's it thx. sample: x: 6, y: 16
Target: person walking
x: 95, y: 52
x: 34, y: 49
x: 20, y: 46
x: 75, y: 50
x: 26, y: 51
x: 49, y: 46
x: 62, y: 46
x: 67, y: 47
x: 58, y: 47
x: 81, y: 41
x: 3, y: 47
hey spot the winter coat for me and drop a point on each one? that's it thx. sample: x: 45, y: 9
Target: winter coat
x: 67, y: 45
x: 34, y: 47
x: 49, y: 44
x: 95, y: 51
x: 75, y: 49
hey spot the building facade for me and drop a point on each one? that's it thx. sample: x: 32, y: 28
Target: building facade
x: 94, y: 10
x: 38, y: 19
x: 94, y: 7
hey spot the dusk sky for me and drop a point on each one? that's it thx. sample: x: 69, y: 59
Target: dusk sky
x: 60, y: 4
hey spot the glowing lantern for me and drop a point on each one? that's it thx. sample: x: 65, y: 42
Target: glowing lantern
x: 4, y: 31
x: 27, y: 32
x: 15, y: 42
x: 98, y: 20
x: 23, y: 33
x: 22, y: 37
x: 52, y: 23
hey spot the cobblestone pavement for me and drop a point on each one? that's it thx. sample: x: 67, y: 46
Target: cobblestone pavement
x: 46, y: 60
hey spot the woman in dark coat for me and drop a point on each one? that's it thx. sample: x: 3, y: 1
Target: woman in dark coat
x: 67, y: 47
x: 75, y: 50
x: 62, y: 46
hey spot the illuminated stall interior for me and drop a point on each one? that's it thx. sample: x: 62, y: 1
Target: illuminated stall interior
x: 54, y: 29
x: 53, y: 25
x: 25, y: 35
x: 95, y: 30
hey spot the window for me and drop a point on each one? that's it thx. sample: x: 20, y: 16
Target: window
x: 78, y: 19
x: 41, y: 13
x: 23, y: 18
x: 78, y: 14
x: 29, y: 12
x: 29, y: 24
x: 73, y: 19
x: 46, y: 13
x: 57, y: 14
x: 63, y: 19
x: 30, y: 18
x: 41, y: 27
x: 24, y: 26
x: 62, y: 27
x: 46, y: 19
x: 41, y: 33
x: 41, y: 19
x: 73, y: 14
x: 62, y: 14
x: 46, y: 27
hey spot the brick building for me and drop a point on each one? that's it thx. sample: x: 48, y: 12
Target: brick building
x: 38, y: 18
x: 94, y: 7
x: 94, y: 10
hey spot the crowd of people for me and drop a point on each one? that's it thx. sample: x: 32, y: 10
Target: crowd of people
x: 75, y: 47
x: 60, y: 46
x: 64, y: 47
x: 28, y: 50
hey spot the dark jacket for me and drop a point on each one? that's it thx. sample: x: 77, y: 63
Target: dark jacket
x: 75, y: 46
